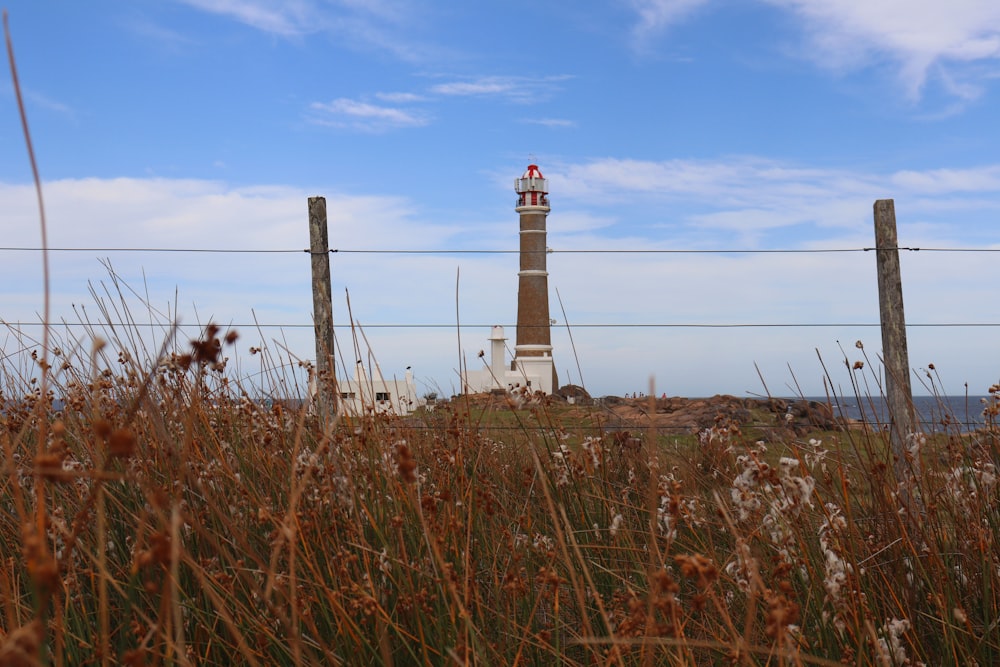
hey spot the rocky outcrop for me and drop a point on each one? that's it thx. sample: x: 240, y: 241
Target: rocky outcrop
x: 576, y: 394
x: 695, y: 414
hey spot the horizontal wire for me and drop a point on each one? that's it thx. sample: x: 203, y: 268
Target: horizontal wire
x: 203, y: 250
x: 609, y: 325
x: 605, y: 251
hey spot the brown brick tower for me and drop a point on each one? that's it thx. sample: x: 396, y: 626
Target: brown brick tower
x: 533, y: 351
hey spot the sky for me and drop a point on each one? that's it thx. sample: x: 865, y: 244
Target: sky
x: 662, y: 125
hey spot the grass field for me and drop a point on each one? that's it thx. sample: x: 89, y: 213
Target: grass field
x: 165, y: 517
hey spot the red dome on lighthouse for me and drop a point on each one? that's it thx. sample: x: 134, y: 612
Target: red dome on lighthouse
x: 532, y: 172
x: 532, y: 188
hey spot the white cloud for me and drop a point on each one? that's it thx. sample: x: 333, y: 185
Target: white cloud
x: 44, y: 102
x: 514, y: 88
x: 949, y: 181
x: 657, y: 14
x: 924, y: 38
x: 400, y: 98
x: 550, y: 122
x: 487, y: 86
x: 173, y: 41
x: 362, y: 115
x: 752, y: 196
x: 343, y: 112
x: 382, y: 25
x: 282, y: 17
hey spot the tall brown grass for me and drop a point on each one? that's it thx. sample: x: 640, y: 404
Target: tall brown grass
x: 170, y: 516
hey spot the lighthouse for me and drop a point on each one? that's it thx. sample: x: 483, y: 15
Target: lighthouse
x: 532, y: 367
x: 533, y: 349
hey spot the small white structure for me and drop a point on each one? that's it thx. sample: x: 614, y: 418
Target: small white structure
x: 531, y: 373
x: 367, y: 393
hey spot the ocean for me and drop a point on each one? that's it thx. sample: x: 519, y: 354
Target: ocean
x: 964, y: 412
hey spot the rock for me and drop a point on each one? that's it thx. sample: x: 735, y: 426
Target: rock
x: 811, y: 415
x: 575, y: 394
x: 696, y: 414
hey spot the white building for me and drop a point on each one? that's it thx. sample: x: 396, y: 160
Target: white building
x: 531, y: 373
x: 371, y: 392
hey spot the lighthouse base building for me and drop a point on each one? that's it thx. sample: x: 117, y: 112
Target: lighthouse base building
x: 531, y: 374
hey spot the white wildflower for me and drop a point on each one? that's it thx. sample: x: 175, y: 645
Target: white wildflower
x: 815, y: 455
x: 743, y: 494
x: 543, y: 543
x: 520, y: 540
x: 836, y: 569
x: 616, y: 524
x: 890, y: 649
x: 594, y: 449
x: 560, y: 465
x: 743, y: 568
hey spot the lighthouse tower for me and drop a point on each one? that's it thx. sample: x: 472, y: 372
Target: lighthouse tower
x: 533, y: 350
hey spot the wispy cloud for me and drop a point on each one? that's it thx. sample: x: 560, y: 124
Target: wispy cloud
x: 513, y: 88
x: 752, y: 196
x: 146, y: 30
x: 44, y: 102
x: 286, y: 18
x: 400, y: 98
x: 917, y: 35
x: 550, y: 122
x: 654, y: 15
x: 949, y: 181
x: 344, y: 112
x: 363, y: 115
x: 923, y: 41
x: 383, y: 25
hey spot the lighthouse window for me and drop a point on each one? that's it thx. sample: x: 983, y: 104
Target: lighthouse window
x: 347, y: 395
x: 381, y: 396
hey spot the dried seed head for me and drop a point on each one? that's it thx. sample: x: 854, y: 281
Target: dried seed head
x: 121, y: 443
x: 21, y: 647
x: 699, y: 568
x: 405, y: 464
x: 102, y: 428
x: 42, y: 565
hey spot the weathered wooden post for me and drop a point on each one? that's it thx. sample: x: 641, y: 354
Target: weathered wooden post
x: 319, y: 250
x: 895, y: 358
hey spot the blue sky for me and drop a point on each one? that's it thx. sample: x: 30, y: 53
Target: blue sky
x: 661, y: 124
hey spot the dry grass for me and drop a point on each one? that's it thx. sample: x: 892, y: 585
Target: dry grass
x: 169, y: 517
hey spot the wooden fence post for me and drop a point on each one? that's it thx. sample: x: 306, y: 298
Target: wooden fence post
x: 319, y: 250
x: 895, y: 358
